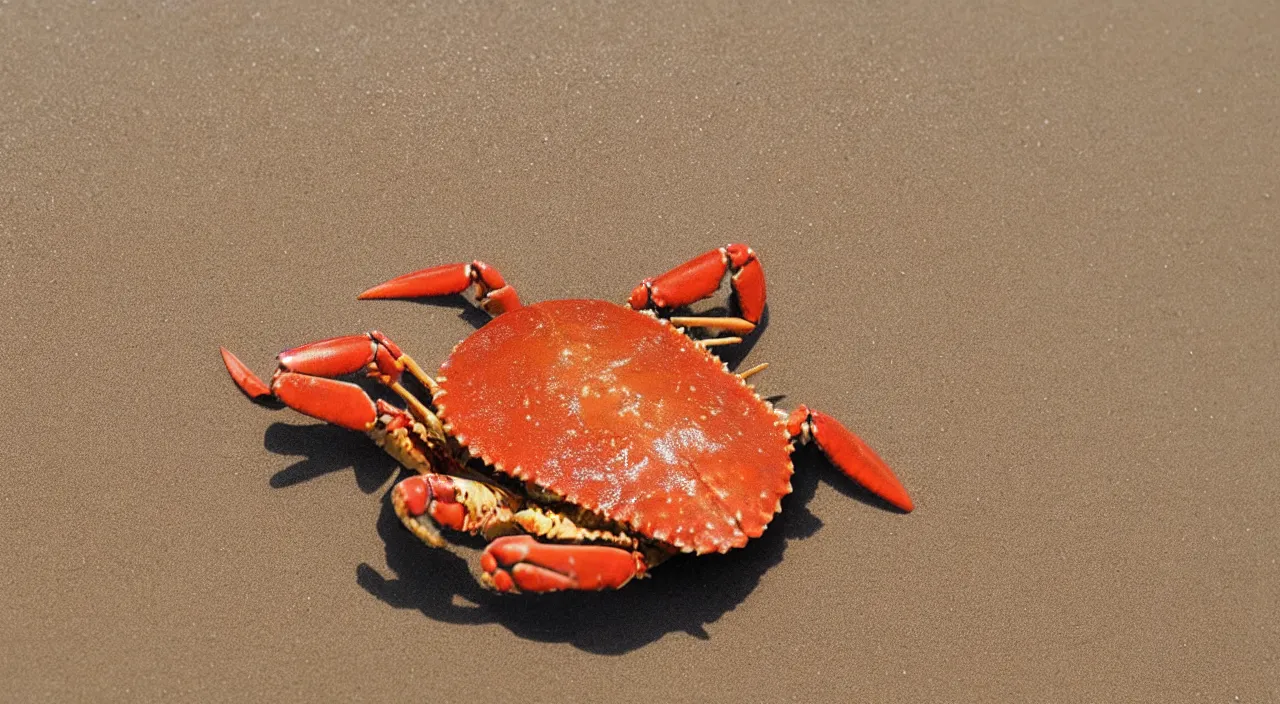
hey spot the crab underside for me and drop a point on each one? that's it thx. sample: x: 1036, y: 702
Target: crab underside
x: 587, y: 441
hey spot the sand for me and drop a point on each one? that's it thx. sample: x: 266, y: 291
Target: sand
x: 1031, y: 255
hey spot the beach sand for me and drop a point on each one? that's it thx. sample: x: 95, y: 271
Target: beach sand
x: 1031, y: 255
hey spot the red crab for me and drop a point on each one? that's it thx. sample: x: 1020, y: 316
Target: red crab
x: 588, y: 441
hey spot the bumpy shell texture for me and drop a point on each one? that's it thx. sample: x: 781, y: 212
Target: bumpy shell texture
x: 621, y: 414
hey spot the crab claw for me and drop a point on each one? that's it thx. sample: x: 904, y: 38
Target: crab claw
x: 338, y: 356
x: 435, y: 495
x: 248, y: 382
x: 443, y: 280
x: 520, y: 563
x: 336, y: 402
x: 850, y: 455
x: 492, y: 291
x: 411, y: 499
x: 429, y: 501
x: 699, y: 277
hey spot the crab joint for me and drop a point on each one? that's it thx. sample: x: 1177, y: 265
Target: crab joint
x: 419, y: 410
x: 450, y: 502
x: 419, y: 374
x: 798, y: 425
x: 410, y: 499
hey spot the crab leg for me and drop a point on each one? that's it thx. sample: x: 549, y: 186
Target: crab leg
x: 738, y: 326
x: 395, y: 430
x: 413, y: 444
x: 552, y: 525
x: 754, y: 370
x: 492, y: 291
x: 401, y: 434
x: 516, y: 563
x: 453, y: 502
x: 719, y: 341
x: 700, y: 277
x: 521, y: 563
x: 483, y: 508
x: 848, y: 453
x: 303, y: 381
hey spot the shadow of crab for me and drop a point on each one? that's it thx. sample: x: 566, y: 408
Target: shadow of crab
x: 325, y: 449
x: 682, y: 595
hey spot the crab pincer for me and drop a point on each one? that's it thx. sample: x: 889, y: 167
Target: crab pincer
x: 520, y: 563
x: 701, y: 276
x: 849, y: 454
x: 492, y: 291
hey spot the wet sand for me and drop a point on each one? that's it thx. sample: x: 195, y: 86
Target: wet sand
x: 1031, y: 255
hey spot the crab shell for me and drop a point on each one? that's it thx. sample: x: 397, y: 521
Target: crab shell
x: 622, y: 414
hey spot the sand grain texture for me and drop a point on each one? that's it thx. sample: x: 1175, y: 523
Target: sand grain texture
x: 1031, y: 255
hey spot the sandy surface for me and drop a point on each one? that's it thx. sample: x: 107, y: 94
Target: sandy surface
x: 1031, y: 255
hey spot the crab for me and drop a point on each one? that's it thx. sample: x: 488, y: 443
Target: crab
x: 586, y: 441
